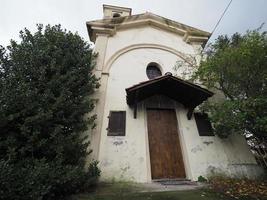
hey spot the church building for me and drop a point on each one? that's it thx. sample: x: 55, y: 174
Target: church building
x: 148, y: 126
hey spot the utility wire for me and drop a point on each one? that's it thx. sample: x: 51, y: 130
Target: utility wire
x: 217, y: 24
x: 221, y: 16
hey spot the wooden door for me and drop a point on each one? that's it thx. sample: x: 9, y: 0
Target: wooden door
x: 164, y: 146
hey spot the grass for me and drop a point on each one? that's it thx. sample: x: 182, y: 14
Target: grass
x: 130, y: 191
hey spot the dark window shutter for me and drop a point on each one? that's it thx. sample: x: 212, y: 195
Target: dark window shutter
x: 117, y: 123
x: 203, y: 125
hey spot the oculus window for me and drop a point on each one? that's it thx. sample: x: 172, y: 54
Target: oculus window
x: 153, y: 70
x: 116, y: 15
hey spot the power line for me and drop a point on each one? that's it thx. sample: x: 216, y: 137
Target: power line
x: 219, y: 19
x: 221, y: 16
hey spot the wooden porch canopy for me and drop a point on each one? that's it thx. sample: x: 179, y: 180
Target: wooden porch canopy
x: 188, y: 94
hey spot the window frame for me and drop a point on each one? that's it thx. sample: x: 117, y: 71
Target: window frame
x: 115, y: 126
x: 202, y: 123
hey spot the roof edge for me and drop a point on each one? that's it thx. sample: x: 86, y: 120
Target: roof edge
x: 173, y: 77
x: 110, y: 26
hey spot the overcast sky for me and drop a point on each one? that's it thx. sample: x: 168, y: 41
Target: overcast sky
x: 72, y: 14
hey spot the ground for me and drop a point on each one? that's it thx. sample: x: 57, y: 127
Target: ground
x: 170, y: 195
x: 130, y: 191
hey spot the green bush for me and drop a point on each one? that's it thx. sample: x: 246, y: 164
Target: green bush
x: 39, y: 179
x: 46, y: 87
x: 201, y: 179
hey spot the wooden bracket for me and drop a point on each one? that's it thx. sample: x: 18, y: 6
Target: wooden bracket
x: 135, y: 110
x: 190, y: 113
x: 135, y: 105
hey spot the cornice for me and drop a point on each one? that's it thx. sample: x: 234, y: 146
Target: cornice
x: 111, y: 26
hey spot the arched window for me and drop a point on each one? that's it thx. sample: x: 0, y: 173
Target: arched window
x: 153, y: 70
x: 116, y: 15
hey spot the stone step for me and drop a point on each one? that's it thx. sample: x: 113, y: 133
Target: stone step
x: 174, y: 182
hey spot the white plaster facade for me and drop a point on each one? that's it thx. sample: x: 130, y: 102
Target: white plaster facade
x: 123, y: 55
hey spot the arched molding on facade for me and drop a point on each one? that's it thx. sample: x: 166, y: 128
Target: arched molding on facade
x: 124, y: 50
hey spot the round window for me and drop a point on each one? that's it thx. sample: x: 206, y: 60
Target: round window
x: 116, y: 15
x: 153, y: 71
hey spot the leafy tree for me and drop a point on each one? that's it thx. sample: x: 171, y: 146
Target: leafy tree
x: 45, y: 85
x: 236, y: 67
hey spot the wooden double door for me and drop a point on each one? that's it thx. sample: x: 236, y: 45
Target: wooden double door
x: 164, y: 146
